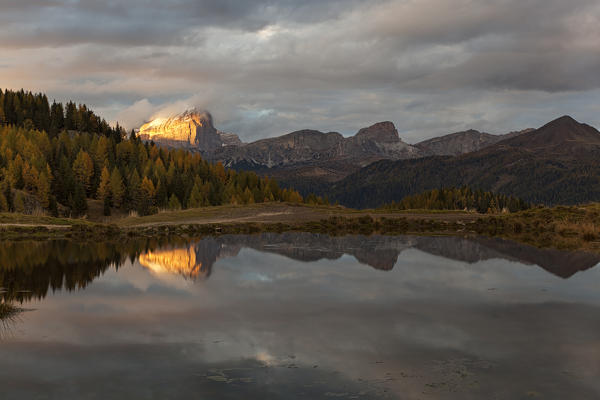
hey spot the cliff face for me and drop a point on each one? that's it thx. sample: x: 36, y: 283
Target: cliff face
x: 192, y: 129
x: 376, y: 142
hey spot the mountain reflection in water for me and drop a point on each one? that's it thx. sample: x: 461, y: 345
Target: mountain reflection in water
x: 30, y: 269
x: 298, y: 316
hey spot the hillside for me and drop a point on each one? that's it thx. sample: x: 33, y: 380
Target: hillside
x: 56, y: 159
x: 558, y: 163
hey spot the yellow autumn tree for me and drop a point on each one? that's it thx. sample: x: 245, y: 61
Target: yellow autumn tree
x: 43, y: 190
x: 83, y: 169
x: 117, y: 187
x: 104, y: 187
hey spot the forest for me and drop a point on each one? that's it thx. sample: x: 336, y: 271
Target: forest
x: 463, y: 198
x: 60, y: 156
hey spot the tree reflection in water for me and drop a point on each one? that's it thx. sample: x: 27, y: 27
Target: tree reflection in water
x: 30, y: 269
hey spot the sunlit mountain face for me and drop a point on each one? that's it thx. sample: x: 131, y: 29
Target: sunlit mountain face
x: 182, y: 261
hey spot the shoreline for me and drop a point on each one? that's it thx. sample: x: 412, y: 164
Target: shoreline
x: 562, y: 228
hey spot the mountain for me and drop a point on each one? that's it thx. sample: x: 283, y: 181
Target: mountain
x: 379, y: 141
x: 558, y: 163
x: 310, y: 160
x: 463, y: 142
x: 192, y: 129
x: 304, y: 158
x: 307, y: 160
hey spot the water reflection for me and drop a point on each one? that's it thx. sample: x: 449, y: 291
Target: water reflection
x: 30, y: 269
x: 184, y: 262
x: 297, y: 316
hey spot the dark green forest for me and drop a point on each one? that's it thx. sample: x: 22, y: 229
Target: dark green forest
x: 537, y: 179
x: 33, y: 111
x: 63, y: 155
x: 463, y: 198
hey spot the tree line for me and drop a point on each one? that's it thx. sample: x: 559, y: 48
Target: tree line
x: 33, y: 111
x: 463, y: 198
x: 65, y: 169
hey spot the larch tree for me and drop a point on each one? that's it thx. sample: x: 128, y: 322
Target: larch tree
x: 117, y: 187
x: 104, y: 191
x: 83, y: 168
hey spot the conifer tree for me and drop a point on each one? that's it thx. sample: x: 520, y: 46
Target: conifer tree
x: 79, y: 203
x: 196, y: 199
x: 83, y: 169
x: 117, y: 188
x: 43, y: 190
x: 19, y: 203
x: 3, y: 203
x: 174, y: 203
x: 7, y: 193
x: 145, y: 197
x: 104, y: 191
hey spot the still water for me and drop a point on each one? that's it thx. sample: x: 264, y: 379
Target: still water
x: 299, y: 316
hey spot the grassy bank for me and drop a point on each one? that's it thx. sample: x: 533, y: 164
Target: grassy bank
x: 576, y: 227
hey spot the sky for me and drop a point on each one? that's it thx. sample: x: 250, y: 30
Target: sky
x: 268, y: 67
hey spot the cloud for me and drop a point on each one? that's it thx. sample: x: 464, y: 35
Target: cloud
x: 267, y: 67
x: 136, y: 114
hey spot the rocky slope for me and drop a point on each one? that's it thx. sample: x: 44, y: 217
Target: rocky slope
x: 192, y: 129
x: 464, y: 142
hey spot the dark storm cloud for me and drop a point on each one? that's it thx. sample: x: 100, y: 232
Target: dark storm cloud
x: 265, y: 67
x: 33, y: 23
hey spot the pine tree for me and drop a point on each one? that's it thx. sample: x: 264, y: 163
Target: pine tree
x: 161, y: 194
x: 174, y: 203
x: 196, y: 199
x: 145, y: 198
x: 79, y: 203
x: 133, y: 190
x: 15, y: 171
x: 53, y: 207
x: 43, y: 190
x: 3, y: 203
x: 117, y: 188
x: 19, y: 203
x: 83, y: 169
x: 103, y: 192
x: 7, y: 193
x: 30, y: 177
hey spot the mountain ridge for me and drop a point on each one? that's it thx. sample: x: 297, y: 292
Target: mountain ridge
x: 302, y: 155
x: 557, y: 163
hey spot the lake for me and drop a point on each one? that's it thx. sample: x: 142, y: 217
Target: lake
x: 299, y: 316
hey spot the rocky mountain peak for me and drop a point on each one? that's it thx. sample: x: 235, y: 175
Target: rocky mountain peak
x: 381, y: 132
x: 201, y: 117
x: 192, y: 129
